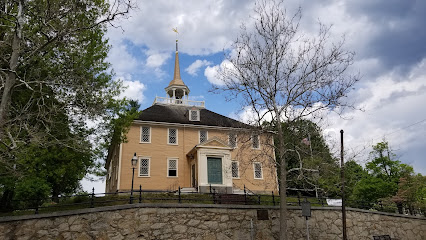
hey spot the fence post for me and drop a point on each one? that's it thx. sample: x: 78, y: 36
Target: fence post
x: 273, y: 198
x: 36, y: 210
x: 140, y: 193
x: 298, y: 198
x: 245, y: 195
x: 381, y: 205
x: 179, y: 195
x: 210, y: 188
x: 258, y: 196
x: 92, y: 199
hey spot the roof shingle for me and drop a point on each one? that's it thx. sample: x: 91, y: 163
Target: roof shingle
x: 180, y: 114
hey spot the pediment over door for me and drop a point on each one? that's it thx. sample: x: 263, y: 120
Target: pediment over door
x: 212, y: 143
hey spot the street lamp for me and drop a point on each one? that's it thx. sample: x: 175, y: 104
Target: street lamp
x: 134, y: 163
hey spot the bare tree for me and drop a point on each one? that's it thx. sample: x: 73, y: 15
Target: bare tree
x: 283, y: 75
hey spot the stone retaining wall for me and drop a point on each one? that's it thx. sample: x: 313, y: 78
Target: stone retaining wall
x: 181, y: 221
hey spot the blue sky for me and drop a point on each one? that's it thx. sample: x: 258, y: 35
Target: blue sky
x: 388, y: 37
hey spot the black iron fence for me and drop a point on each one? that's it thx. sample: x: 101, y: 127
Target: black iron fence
x: 91, y: 200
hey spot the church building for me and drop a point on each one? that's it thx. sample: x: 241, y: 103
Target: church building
x: 178, y: 142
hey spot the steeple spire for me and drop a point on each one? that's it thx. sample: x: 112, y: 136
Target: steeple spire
x: 177, y: 88
x: 176, y: 75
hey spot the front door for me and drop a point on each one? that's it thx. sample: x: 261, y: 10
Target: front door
x: 214, y: 170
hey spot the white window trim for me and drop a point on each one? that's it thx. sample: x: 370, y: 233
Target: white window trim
x: 139, y: 166
x: 258, y: 141
x: 177, y: 167
x: 254, y: 170
x: 238, y: 169
x: 198, y: 115
x: 236, y: 142
x: 199, y: 135
x: 140, y: 134
x: 168, y: 136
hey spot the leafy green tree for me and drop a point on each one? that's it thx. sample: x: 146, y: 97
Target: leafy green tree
x: 311, y: 167
x: 384, y: 174
x: 384, y: 166
x: 52, y: 49
x: 370, y: 189
x: 54, y: 79
x: 412, y: 192
x: 354, y: 173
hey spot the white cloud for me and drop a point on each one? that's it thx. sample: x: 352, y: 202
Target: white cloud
x: 195, y: 66
x: 204, y: 27
x: 121, y: 60
x: 211, y: 73
x: 133, y: 88
x: 156, y: 60
x: 391, y: 106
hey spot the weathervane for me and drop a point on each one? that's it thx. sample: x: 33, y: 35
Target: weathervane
x: 176, y: 31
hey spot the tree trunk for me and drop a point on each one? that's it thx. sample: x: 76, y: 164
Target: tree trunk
x: 11, y: 75
x: 283, y: 179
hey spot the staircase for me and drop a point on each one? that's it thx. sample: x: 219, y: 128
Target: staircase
x: 237, y: 191
x: 188, y: 190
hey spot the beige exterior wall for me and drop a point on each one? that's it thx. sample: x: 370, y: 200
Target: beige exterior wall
x: 158, y: 150
x: 112, y: 168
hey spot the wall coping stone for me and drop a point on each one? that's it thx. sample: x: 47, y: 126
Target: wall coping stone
x: 180, y: 205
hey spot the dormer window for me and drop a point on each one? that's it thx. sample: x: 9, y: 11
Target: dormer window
x: 194, y: 115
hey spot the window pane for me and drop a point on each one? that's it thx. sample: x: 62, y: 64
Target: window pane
x: 145, y: 134
x: 203, y: 136
x: 232, y: 140
x: 144, y: 167
x: 194, y: 115
x: 257, y: 170
x: 235, y: 169
x: 172, y: 135
x: 255, y: 141
x: 172, y: 171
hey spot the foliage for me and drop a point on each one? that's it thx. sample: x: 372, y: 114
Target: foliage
x: 383, y: 166
x: 412, y: 192
x: 311, y: 166
x: 31, y: 192
x: 370, y: 189
x: 354, y: 173
x: 386, y: 179
x: 54, y: 80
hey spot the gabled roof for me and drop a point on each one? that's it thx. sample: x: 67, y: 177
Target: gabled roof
x: 169, y: 113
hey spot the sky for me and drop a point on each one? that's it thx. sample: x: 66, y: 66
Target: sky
x: 388, y: 37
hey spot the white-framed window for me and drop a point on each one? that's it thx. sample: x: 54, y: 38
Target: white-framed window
x: 172, y: 136
x: 144, y: 166
x: 194, y: 115
x: 203, y: 135
x: 232, y: 140
x: 235, y: 169
x: 172, y: 167
x: 257, y: 169
x: 255, y: 141
x: 145, y: 134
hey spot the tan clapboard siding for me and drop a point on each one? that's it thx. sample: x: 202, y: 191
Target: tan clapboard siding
x: 188, y: 137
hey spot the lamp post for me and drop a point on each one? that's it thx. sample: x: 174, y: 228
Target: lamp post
x: 134, y: 163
